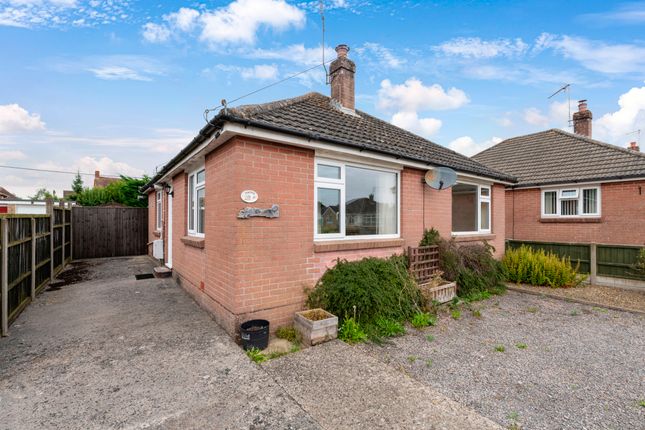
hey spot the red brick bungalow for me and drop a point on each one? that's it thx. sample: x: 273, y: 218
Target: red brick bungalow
x: 335, y: 183
x: 571, y: 188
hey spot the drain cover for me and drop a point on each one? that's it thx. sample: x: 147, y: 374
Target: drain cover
x: 144, y: 276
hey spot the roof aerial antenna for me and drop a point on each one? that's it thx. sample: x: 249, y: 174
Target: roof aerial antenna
x: 225, y: 105
x: 638, y: 135
x: 567, y: 89
x: 322, y: 19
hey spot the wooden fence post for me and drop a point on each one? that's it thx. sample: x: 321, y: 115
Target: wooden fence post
x: 4, y: 324
x: 33, y: 258
x: 50, y: 211
x: 593, y: 263
x: 62, y: 232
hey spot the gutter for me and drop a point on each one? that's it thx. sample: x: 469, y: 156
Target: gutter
x: 617, y: 178
x: 217, y: 122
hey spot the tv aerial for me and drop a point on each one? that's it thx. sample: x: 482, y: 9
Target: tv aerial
x: 566, y: 88
x: 440, y: 178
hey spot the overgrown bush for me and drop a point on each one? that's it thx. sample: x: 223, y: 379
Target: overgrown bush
x: 350, y: 331
x: 367, y: 290
x: 537, y: 267
x: 125, y: 192
x: 639, y: 266
x: 430, y: 237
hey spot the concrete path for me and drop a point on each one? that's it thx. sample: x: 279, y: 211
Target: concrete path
x: 344, y: 388
x: 113, y: 352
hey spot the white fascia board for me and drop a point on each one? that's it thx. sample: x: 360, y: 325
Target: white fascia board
x: 336, y: 151
x: 578, y: 184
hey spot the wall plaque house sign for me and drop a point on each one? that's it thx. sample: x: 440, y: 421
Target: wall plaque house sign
x: 272, y: 212
x: 249, y: 196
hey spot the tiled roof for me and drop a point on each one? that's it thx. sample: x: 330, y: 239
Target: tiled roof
x: 316, y: 115
x: 102, y: 181
x: 557, y: 157
x: 4, y: 194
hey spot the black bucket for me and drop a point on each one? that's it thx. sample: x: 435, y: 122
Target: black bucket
x: 255, y: 334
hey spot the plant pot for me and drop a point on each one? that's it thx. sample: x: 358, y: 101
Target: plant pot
x: 443, y: 293
x: 254, y: 334
x: 316, y: 326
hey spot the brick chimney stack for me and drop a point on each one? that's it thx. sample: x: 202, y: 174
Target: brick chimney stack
x: 97, y: 174
x: 341, y: 74
x: 582, y: 119
x: 634, y: 146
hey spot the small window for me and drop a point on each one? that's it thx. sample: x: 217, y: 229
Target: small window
x: 550, y: 203
x: 327, y: 171
x: 590, y: 201
x: 471, y: 208
x: 196, y: 205
x: 158, y: 210
x: 569, y: 194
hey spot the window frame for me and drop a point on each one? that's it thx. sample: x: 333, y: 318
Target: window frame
x: 480, y: 199
x: 340, y: 184
x: 192, y: 193
x: 580, y: 198
x: 158, y: 210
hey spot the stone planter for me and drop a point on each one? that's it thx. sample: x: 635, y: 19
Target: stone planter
x: 442, y: 293
x: 315, y: 326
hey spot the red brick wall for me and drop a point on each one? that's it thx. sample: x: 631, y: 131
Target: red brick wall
x: 259, y: 267
x: 622, y: 216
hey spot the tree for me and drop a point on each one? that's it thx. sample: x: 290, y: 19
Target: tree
x: 125, y: 191
x: 77, y: 184
x: 43, y: 194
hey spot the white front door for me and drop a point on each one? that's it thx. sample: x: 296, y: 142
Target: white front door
x: 169, y: 230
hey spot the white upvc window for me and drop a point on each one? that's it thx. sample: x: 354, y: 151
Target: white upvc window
x: 355, y: 201
x: 196, y: 207
x: 571, y: 202
x: 158, y: 210
x: 471, y: 209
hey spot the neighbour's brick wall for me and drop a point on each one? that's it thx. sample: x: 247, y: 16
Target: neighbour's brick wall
x: 622, y: 217
x: 259, y: 267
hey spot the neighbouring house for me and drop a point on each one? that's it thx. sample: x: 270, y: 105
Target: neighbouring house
x: 23, y: 206
x: 102, y: 181
x: 571, y: 188
x: 266, y: 197
x: 4, y: 195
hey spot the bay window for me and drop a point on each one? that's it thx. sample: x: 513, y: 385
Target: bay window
x: 571, y: 202
x: 354, y: 201
x: 471, y: 209
x: 196, y: 193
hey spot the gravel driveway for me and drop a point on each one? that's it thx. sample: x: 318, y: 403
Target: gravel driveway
x: 564, y: 366
x: 113, y: 352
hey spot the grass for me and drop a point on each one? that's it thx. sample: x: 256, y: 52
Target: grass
x: 412, y: 358
x: 428, y: 363
x: 389, y: 328
x: 455, y: 314
x: 287, y: 333
x: 574, y: 313
x: 521, y: 345
x: 513, y: 416
x: 430, y: 338
x: 423, y: 319
x: 256, y: 355
x: 642, y: 403
x: 599, y: 309
x: 532, y: 309
x: 500, y: 348
x: 477, y: 313
x: 351, y: 332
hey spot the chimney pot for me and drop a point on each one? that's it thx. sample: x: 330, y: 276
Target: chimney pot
x: 634, y: 146
x: 97, y: 173
x: 582, y: 120
x: 341, y: 75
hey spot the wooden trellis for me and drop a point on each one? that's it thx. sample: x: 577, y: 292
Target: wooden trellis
x: 424, y: 262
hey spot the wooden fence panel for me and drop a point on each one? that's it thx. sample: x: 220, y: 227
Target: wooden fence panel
x: 617, y: 261
x: 108, y: 232
x: 577, y: 252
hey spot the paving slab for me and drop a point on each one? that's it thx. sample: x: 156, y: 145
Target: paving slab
x: 344, y: 388
x: 115, y: 352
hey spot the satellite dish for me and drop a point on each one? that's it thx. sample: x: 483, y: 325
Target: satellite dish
x: 440, y: 178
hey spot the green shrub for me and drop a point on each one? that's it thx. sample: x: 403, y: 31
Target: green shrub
x: 367, y: 290
x: 287, y: 333
x: 430, y: 237
x: 389, y: 328
x: 256, y: 355
x: 472, y: 266
x: 639, y: 266
x: 423, y: 319
x: 537, y: 267
x: 125, y: 191
x: 351, y: 332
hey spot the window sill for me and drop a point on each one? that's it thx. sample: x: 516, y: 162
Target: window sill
x: 350, y: 245
x: 157, y: 233
x: 473, y: 237
x: 579, y: 220
x: 195, y: 242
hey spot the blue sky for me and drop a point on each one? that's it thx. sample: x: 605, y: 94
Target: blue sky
x: 121, y: 86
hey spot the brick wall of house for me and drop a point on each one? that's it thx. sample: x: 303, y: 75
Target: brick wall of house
x: 622, y: 217
x: 152, y: 220
x: 259, y: 267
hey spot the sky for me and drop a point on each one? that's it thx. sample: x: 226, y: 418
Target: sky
x: 121, y: 86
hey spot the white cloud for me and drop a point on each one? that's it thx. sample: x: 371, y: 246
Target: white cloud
x: 474, y: 47
x: 505, y: 121
x: 237, y: 23
x: 413, y: 96
x: 14, y: 118
x: 106, y: 166
x: 630, y: 116
x: 62, y: 13
x: 535, y: 117
x: 118, y: 73
x: 467, y: 146
x: 630, y: 13
x: 597, y: 56
x: 384, y: 57
x: 297, y: 53
x: 155, y: 33
x: 410, y: 121
x: 258, y: 71
x: 12, y: 155
x: 114, y: 67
